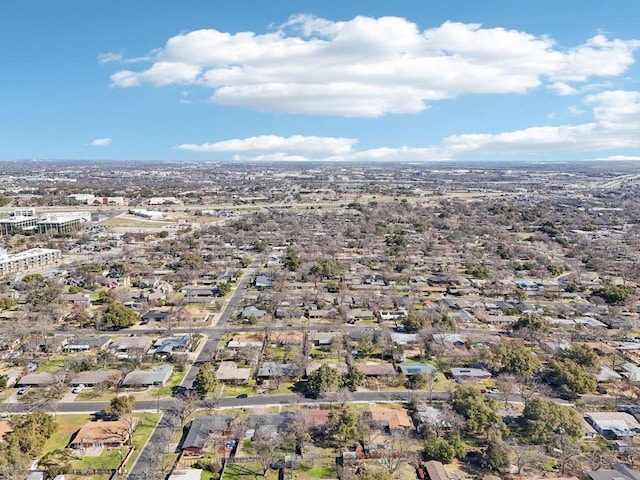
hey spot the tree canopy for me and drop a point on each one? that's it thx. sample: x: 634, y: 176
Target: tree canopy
x: 516, y: 359
x: 531, y: 323
x: 544, y: 420
x: 27, y: 438
x: 444, y: 450
x: 582, y: 355
x: 571, y: 377
x: 118, y: 316
x: 206, y: 380
x: 323, y: 380
x: 343, y: 425
x: 480, y: 411
x: 121, y: 406
x: 614, y: 293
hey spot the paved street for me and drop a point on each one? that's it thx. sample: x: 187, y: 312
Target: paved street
x: 161, y: 437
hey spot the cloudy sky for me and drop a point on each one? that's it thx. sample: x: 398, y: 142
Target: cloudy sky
x: 408, y: 80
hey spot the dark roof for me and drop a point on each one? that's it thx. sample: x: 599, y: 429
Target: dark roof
x: 620, y: 472
x: 278, y: 420
x: 202, y: 427
x: 91, y: 342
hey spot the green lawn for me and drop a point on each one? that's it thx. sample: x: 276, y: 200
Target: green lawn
x: 174, y: 381
x: 247, y: 471
x: 67, y: 426
x: 109, y: 459
x: 53, y: 365
x: 206, y: 475
x: 148, y: 422
x: 235, y: 390
x: 319, y: 471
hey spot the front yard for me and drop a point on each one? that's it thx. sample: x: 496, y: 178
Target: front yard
x: 108, y: 459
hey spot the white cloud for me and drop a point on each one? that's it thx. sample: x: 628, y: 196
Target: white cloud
x: 371, y: 66
x: 623, y: 158
x: 109, y: 57
x: 272, y: 144
x: 616, y: 125
x: 100, y: 142
x: 562, y: 88
x: 574, y: 111
x: 304, y: 148
x: 404, y: 154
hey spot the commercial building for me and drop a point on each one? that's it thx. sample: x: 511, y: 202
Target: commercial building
x: 65, y: 223
x: 17, y: 223
x: 21, y: 220
x: 28, y: 260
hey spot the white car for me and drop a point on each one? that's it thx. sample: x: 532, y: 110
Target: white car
x: 78, y: 388
x: 23, y: 390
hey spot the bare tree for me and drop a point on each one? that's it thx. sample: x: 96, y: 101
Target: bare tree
x: 506, y: 385
x: 184, y: 405
x: 396, y: 452
x: 527, y: 387
x: 524, y: 456
x: 267, y: 449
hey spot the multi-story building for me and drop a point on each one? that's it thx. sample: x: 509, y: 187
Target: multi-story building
x: 17, y: 223
x: 64, y: 223
x: 27, y: 260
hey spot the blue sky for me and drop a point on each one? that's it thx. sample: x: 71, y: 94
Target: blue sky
x: 320, y: 80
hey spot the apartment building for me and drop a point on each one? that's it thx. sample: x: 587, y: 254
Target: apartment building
x: 27, y: 260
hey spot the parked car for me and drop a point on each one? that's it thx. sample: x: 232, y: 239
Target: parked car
x: 23, y: 390
x: 78, y: 388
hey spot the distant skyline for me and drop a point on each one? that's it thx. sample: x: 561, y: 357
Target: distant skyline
x: 405, y: 80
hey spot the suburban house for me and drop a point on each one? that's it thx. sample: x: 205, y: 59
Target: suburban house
x: 43, y: 379
x: 252, y: 312
x: 375, y: 369
x: 145, y: 378
x: 246, y: 340
x: 84, y: 344
x: 182, y: 473
x: 167, y: 345
x: 435, y: 470
x: 104, y: 434
x: 204, y: 432
x: 80, y: 299
x: 268, y: 424
x: 96, y: 377
x: 323, y: 339
x: 158, y: 314
x: 412, y: 368
x: 392, y: 419
x: 263, y: 281
x: 614, y: 425
x: 316, y: 418
x: 198, y: 295
x: 619, y: 471
x: 131, y: 345
x: 426, y: 416
x: 229, y: 372
x: 272, y: 369
x: 467, y: 374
